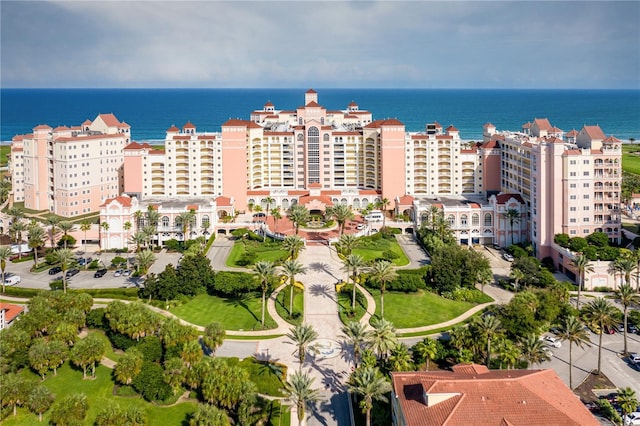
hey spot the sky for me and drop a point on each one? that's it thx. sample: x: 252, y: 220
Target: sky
x: 331, y: 44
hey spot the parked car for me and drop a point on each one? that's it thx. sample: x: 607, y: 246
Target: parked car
x: 620, y: 328
x: 373, y: 230
x: 55, y: 270
x: 632, y: 419
x: 84, y: 261
x: 126, y: 272
x: 552, y: 341
x: 547, y: 351
x: 72, y: 272
x: 100, y: 273
x: 360, y: 227
x: 507, y: 257
x: 12, y: 280
x: 118, y: 273
x: 632, y: 329
x: 609, y: 330
x: 634, y: 358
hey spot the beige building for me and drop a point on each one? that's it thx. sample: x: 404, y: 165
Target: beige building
x: 70, y: 171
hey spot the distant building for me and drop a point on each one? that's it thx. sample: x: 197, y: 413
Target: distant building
x: 474, y: 395
x: 8, y: 314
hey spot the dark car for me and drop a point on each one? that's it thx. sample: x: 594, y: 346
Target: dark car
x: 71, y: 272
x: 55, y: 270
x: 632, y: 329
x: 84, y: 261
x: 100, y: 273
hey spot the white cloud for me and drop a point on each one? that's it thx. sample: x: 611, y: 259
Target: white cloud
x: 332, y: 43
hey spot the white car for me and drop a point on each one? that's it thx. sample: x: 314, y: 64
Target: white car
x: 118, y: 273
x: 507, y: 257
x: 547, y: 351
x: 12, y: 280
x: 632, y: 419
x: 360, y: 227
x: 634, y: 358
x: 554, y: 342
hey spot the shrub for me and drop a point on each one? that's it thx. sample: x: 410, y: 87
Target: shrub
x: 69, y: 240
x: 118, y: 260
x: 56, y: 285
x: 150, y: 383
x: 173, y: 245
x: 234, y: 283
x: 562, y: 240
x: 390, y: 255
x: 120, y: 341
x: 151, y: 349
x: 96, y: 319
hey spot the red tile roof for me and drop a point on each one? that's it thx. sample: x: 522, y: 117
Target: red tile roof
x: 223, y: 202
x: 306, y: 199
x: 87, y: 122
x: 487, y: 124
x: 17, y: 138
x: 313, y: 104
x: 136, y: 145
x: 542, y: 123
x: 173, y: 128
x: 192, y: 207
x: 110, y: 120
x: 526, y: 125
x: 612, y: 139
x: 124, y: 201
x: 573, y: 133
x: 42, y: 127
x: 405, y: 200
x: 504, y: 198
x: 594, y: 132
x: 311, y: 91
x: 474, y: 395
x: 352, y: 104
x: 315, y: 185
x: 61, y: 128
x: 11, y: 311
x: 491, y: 144
x: 554, y: 129
x: 235, y: 122
x: 268, y: 104
x: 189, y: 125
x: 452, y: 129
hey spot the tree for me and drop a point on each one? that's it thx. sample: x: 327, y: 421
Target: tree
x: 152, y: 217
x: 533, y: 350
x: 600, y: 313
x: 628, y: 296
x: 129, y: 366
x: 144, y: 260
x: 15, y: 390
x: 209, y: 415
x: 426, y: 350
x: 174, y: 334
x: 71, y: 410
x: 113, y: 415
x: 582, y: 264
x: 627, y: 400
x: 214, y: 334
x: 86, y: 352
x: 269, y: 201
x: 291, y: 268
x: 184, y: 220
x: 299, y: 215
x: 382, y: 337
x: 354, y: 263
x: 104, y: 226
x: 382, y: 205
x: 139, y: 238
x: 85, y: 226
x: 302, y: 335
x: 513, y: 217
x: 275, y: 213
x: 66, y: 259
x: 66, y: 227
x: 138, y: 215
x: 191, y: 353
x: 5, y: 254
x: 299, y: 391
x: 35, y: 239
x: 572, y: 330
x: 490, y: 327
x: 341, y: 213
x: 264, y: 270
x: 293, y: 244
x: 400, y: 358
x: 39, y: 400
x: 370, y: 385
x: 356, y: 334
x: 347, y: 243
x: 15, y: 232
x: 516, y: 275
x: 382, y: 273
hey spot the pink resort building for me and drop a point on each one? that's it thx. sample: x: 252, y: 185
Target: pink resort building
x: 555, y: 181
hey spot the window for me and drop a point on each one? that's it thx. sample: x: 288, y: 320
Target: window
x: 573, y: 209
x: 585, y: 185
x: 463, y: 220
x: 451, y: 219
x: 488, y: 219
x: 165, y: 221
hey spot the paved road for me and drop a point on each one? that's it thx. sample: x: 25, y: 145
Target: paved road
x: 219, y: 252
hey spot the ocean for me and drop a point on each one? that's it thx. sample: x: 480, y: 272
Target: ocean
x: 151, y: 111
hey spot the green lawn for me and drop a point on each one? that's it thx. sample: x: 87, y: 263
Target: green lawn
x: 264, y: 251
x: 110, y: 352
x: 631, y: 162
x: 283, y: 301
x: 242, y: 313
x: 372, y: 249
x: 344, y: 304
x: 268, y: 377
x: 99, y: 393
x: 406, y: 310
x: 4, y: 150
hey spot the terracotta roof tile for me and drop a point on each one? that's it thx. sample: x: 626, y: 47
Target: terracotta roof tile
x: 110, y: 120
x: 42, y: 127
x: 405, y: 200
x: 189, y: 125
x: 124, y: 201
x: 223, y: 202
x: 451, y: 128
x: 173, y: 128
x: 594, y: 132
x: 311, y: 91
x: 542, y: 123
x: 504, y: 198
x: 11, y: 311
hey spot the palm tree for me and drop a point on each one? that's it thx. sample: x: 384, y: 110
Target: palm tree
x: 513, y: 217
x: 382, y: 337
x: 85, y: 226
x: 601, y: 313
x: 39, y: 400
x: 298, y: 390
x: 636, y: 256
x: 264, y: 270
x: 269, y: 201
x: 293, y: 244
x: 400, y: 358
x: 582, y: 264
x: 354, y: 263
x: 508, y: 353
x: 276, y: 215
x: 627, y: 400
x: 127, y: 227
x: 53, y: 222
x: 299, y: 215
x: 628, y: 296
x: 291, y: 268
x: 490, y: 327
x: 347, y: 243
x: 152, y: 217
x: 184, y: 220
x: 65, y: 258
x: 66, y: 227
x: 426, y: 349
x: 626, y: 265
x: 138, y: 238
x: 5, y: 254
x: 138, y: 215
x: 302, y: 335
x: 572, y: 330
x: 517, y: 275
x: 533, y: 350
x: 16, y: 213
x: 382, y: 205
x: 35, y: 239
x: 356, y: 334
x: 149, y: 232
x: 105, y: 228
x: 370, y: 385
x: 213, y: 337
x: 382, y: 273
x: 144, y: 259
x: 341, y: 213
x: 15, y: 231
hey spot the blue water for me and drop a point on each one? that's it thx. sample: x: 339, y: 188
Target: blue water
x: 151, y: 111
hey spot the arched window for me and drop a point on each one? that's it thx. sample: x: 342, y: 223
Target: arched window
x: 165, y: 221
x: 326, y: 137
x: 475, y: 219
x: 343, y: 201
x: 463, y: 220
x: 451, y: 219
x: 205, y: 220
x: 285, y: 203
x: 488, y: 219
x: 356, y: 203
x: 300, y: 136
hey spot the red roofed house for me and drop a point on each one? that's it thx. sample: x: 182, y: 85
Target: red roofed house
x: 475, y: 395
x: 8, y: 314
